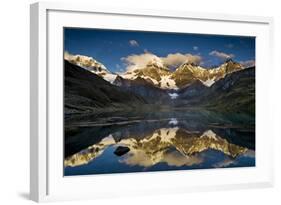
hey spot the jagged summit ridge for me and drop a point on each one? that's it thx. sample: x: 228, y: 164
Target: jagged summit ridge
x: 91, y: 65
x: 158, y: 74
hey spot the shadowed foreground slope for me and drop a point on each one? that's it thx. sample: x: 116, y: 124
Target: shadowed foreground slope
x: 87, y: 92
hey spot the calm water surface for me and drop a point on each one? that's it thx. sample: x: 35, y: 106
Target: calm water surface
x: 157, y: 141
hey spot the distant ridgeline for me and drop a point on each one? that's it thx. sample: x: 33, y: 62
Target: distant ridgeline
x: 91, y: 87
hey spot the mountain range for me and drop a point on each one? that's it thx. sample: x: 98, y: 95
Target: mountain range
x: 90, y: 86
x: 158, y: 74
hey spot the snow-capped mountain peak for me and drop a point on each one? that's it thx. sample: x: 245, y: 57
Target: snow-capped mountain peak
x: 154, y: 63
x: 91, y: 65
x: 156, y: 73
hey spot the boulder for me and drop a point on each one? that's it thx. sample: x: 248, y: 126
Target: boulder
x: 121, y: 150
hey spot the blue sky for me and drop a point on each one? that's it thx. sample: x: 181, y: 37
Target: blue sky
x: 112, y: 47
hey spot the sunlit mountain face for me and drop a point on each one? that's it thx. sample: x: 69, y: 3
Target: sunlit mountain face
x: 151, y: 101
x: 159, y: 75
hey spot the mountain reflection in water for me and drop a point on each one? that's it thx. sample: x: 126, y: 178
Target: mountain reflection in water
x: 167, y: 144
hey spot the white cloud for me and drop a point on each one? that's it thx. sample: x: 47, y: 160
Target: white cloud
x: 176, y: 59
x: 171, y: 60
x: 195, y: 48
x: 248, y: 63
x: 221, y: 55
x: 133, y: 43
x: 140, y: 61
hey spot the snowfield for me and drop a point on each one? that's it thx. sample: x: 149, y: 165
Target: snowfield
x: 173, y: 95
x: 167, y: 83
x: 209, y: 82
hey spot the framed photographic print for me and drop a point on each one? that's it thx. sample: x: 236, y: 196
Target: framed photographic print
x: 147, y: 101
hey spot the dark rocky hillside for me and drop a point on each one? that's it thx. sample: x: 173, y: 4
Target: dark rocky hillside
x: 235, y: 92
x: 87, y: 92
x: 143, y: 88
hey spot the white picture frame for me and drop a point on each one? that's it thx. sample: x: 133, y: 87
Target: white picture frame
x: 46, y: 177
